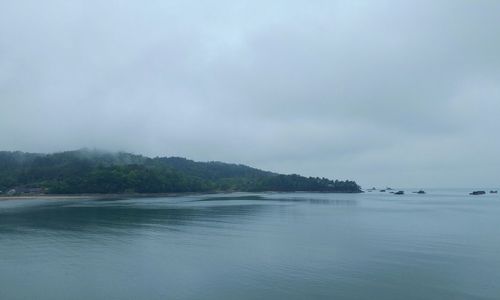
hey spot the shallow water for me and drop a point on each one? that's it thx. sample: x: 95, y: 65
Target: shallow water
x: 442, y: 245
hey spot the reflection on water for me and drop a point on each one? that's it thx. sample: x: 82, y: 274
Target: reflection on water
x: 107, y: 215
x: 442, y: 245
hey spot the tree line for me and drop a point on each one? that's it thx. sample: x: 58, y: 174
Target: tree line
x: 90, y: 171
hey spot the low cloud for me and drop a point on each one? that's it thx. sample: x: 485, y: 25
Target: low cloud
x: 402, y: 93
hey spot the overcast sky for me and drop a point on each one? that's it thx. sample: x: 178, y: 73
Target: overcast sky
x: 399, y: 93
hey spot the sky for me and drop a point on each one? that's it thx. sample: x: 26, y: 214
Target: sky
x: 387, y: 93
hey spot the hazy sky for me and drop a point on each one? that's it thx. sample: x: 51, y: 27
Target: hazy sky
x: 401, y: 93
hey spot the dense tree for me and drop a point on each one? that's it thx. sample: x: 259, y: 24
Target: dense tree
x: 87, y: 171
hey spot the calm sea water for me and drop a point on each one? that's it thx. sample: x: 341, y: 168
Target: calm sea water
x: 442, y: 245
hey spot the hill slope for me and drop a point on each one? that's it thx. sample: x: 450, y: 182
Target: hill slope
x: 90, y: 171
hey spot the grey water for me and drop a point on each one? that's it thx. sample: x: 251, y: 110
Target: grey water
x: 441, y: 245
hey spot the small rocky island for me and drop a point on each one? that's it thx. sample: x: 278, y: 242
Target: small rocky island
x: 475, y: 193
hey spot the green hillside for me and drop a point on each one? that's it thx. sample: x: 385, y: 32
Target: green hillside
x: 91, y: 171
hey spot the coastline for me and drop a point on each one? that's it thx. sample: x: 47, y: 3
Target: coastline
x: 138, y: 195
x: 92, y: 196
x: 47, y: 197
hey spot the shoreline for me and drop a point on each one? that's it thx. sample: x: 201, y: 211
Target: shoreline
x: 46, y: 197
x: 93, y: 196
x: 122, y: 196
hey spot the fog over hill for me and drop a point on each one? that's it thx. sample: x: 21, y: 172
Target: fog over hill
x: 400, y: 93
x: 90, y: 171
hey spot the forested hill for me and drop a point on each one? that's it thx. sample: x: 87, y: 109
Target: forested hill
x: 90, y: 171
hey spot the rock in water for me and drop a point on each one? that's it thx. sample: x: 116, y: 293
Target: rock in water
x: 475, y: 193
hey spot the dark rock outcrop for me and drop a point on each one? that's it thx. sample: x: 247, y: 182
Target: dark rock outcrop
x: 475, y: 193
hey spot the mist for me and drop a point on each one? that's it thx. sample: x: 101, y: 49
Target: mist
x: 387, y: 93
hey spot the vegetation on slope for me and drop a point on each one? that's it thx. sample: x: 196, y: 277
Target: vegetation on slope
x: 89, y: 171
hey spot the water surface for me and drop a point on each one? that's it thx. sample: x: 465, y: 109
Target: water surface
x: 442, y: 245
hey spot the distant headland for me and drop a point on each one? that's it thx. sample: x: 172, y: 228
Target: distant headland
x: 96, y: 172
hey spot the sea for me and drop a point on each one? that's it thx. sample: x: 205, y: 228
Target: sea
x: 444, y: 244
